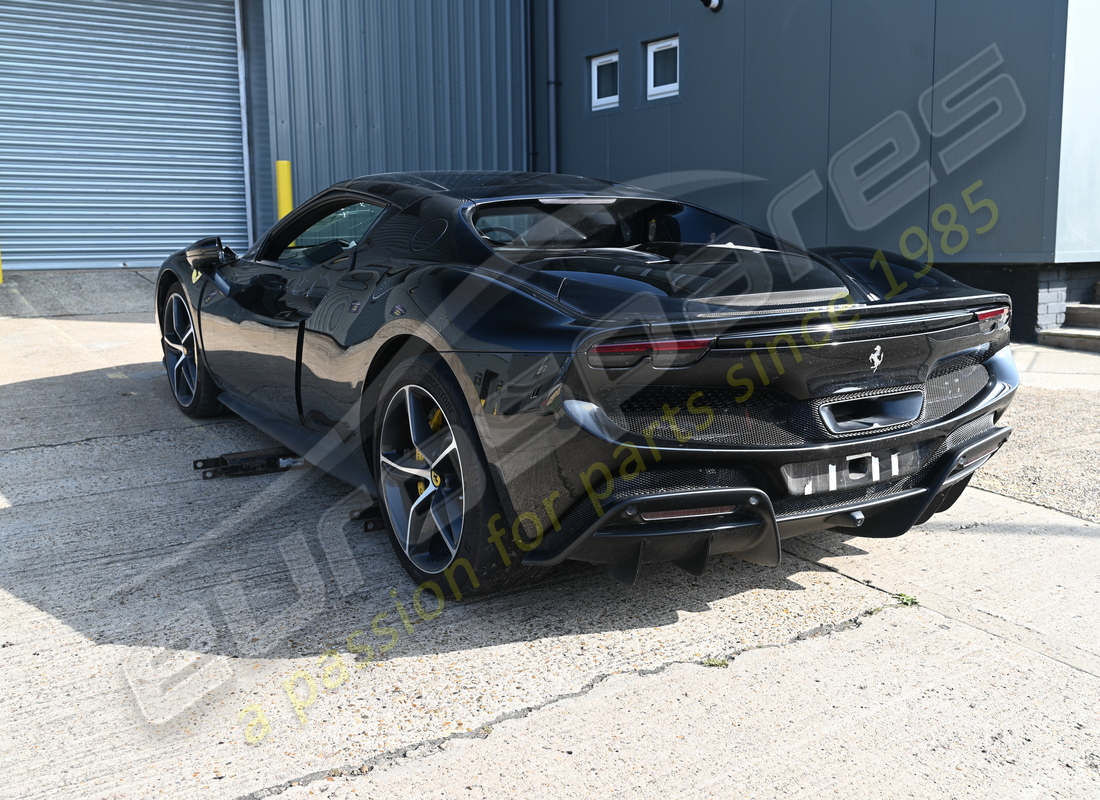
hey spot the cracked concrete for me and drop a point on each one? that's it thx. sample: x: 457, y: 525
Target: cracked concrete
x: 1059, y: 670
x: 938, y: 712
x: 428, y: 748
x: 148, y: 618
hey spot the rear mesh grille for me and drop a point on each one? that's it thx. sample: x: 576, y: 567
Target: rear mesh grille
x: 950, y: 391
x: 651, y: 481
x: 767, y: 417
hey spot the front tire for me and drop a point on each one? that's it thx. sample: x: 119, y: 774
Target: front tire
x: 194, y: 392
x: 438, y: 499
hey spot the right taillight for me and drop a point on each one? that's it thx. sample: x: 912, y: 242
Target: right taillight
x: 665, y: 353
x: 990, y: 319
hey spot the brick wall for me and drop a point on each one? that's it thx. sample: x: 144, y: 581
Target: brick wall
x: 1080, y: 280
x: 1064, y: 283
x: 1051, y: 310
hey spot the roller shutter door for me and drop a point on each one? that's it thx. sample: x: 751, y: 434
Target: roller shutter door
x: 120, y: 130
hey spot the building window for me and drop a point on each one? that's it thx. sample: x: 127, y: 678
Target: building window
x: 662, y: 68
x: 605, y: 81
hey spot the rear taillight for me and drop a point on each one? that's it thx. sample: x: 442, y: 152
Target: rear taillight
x: 992, y: 318
x: 664, y: 353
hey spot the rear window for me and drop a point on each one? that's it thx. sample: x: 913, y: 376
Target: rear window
x: 892, y: 275
x: 593, y: 222
x: 655, y: 247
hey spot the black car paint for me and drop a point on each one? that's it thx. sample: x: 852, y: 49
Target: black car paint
x: 301, y: 352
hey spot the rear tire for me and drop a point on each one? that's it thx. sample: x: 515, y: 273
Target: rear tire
x: 194, y: 392
x: 434, y: 485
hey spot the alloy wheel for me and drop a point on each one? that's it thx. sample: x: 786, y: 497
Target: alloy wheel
x: 421, y: 478
x: 180, y: 346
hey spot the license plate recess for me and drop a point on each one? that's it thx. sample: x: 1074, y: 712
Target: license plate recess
x: 848, y: 472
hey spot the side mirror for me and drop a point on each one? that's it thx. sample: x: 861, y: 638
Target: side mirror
x: 206, y: 255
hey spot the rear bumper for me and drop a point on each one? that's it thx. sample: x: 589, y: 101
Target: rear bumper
x: 688, y: 527
x: 893, y: 515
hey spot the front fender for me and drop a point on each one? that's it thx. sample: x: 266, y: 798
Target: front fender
x: 175, y: 269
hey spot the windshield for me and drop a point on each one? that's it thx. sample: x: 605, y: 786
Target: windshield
x: 597, y: 222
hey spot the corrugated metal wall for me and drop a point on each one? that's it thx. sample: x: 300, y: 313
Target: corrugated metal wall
x: 772, y: 91
x: 362, y: 86
x: 120, y: 130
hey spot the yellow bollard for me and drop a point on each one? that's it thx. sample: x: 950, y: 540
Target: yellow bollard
x: 284, y: 192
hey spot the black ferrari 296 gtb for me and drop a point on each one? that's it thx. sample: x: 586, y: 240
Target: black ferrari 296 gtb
x: 528, y: 368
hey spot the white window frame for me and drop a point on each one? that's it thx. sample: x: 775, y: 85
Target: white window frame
x: 665, y: 90
x: 594, y: 64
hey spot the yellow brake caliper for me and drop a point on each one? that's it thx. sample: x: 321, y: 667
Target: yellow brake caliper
x: 435, y: 423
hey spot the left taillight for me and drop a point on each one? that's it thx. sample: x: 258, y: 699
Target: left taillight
x: 664, y: 353
x: 991, y: 319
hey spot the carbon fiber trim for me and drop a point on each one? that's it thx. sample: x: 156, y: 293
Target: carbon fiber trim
x: 583, y: 514
x: 800, y: 505
x: 768, y: 418
x: 765, y: 418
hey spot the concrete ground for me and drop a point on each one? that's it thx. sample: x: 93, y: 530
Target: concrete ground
x: 161, y: 635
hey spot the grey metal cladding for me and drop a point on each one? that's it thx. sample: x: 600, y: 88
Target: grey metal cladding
x: 786, y: 117
x: 639, y: 137
x: 583, y: 138
x: 663, y: 144
x: 707, y: 127
x: 262, y: 177
x: 882, y: 56
x: 360, y: 87
x: 1014, y: 168
x: 120, y: 131
x: 784, y: 89
x: 638, y: 146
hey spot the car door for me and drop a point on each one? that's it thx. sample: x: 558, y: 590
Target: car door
x: 251, y: 335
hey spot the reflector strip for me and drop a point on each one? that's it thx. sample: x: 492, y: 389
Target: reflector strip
x: 991, y: 313
x: 669, y: 345
x: 680, y: 344
x: 685, y: 513
x: 619, y: 348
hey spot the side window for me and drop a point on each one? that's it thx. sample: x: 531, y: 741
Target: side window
x: 605, y: 81
x: 324, y: 239
x: 662, y: 68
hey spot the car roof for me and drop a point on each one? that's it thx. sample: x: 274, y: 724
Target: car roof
x: 477, y: 185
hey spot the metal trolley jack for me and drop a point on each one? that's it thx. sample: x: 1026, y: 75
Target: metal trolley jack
x: 266, y: 462
x: 250, y: 462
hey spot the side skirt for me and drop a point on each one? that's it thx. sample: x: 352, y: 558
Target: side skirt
x: 326, y: 451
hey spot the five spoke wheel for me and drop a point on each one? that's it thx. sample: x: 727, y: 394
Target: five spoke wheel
x: 192, y: 388
x: 421, y: 478
x: 178, y: 339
